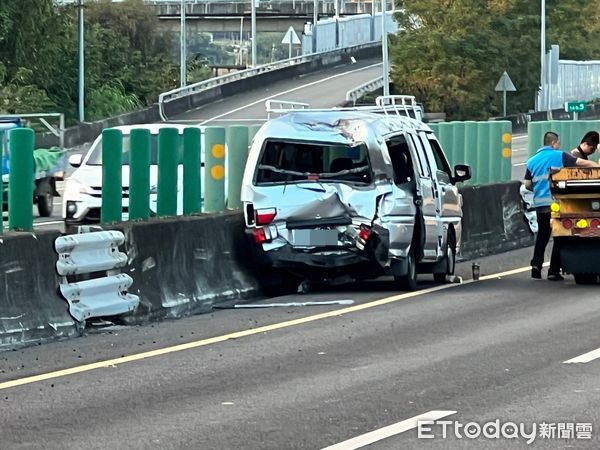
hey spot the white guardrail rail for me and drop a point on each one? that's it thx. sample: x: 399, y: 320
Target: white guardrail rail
x: 205, y: 85
x: 366, y: 88
x: 85, y: 253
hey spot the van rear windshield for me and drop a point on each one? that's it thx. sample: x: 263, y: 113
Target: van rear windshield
x: 284, y: 162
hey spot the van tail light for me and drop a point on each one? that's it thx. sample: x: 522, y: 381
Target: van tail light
x: 567, y: 223
x: 260, y: 235
x: 265, y: 216
x: 364, y: 234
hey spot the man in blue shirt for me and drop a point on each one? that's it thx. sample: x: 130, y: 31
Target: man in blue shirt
x: 537, y: 179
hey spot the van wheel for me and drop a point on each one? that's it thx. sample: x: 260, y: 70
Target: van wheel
x: 450, y: 259
x: 408, y: 282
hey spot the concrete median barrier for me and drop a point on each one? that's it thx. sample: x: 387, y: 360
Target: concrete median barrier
x: 187, y: 265
x: 493, y: 220
x: 31, y: 310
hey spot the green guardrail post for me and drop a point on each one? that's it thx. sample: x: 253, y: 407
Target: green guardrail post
x: 501, y: 145
x: 252, y: 130
x: 458, y: 143
x: 535, y: 136
x: 168, y: 159
x: 445, y: 134
x: 485, y: 153
x: 20, y: 179
x: 237, y: 154
x: 470, y: 149
x: 214, y: 177
x: 192, y: 201
x: 112, y: 177
x: 139, y: 175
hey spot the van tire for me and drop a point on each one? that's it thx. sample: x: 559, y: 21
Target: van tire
x: 449, y: 259
x: 45, y: 204
x: 408, y: 282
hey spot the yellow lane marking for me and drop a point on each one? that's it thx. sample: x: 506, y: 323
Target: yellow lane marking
x: 240, y: 334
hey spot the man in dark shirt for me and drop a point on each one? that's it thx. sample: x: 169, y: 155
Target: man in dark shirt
x: 588, y: 145
x: 537, y: 179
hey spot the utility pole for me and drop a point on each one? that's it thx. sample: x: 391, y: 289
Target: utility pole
x: 315, y: 20
x: 253, y: 14
x: 182, y: 50
x: 543, y: 77
x: 384, y: 51
x: 81, y: 64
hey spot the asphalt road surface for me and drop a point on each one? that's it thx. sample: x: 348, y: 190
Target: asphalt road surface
x: 358, y: 376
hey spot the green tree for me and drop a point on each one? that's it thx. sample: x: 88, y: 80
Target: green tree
x: 451, y: 53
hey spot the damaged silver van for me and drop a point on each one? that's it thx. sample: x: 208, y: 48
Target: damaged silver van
x: 361, y: 191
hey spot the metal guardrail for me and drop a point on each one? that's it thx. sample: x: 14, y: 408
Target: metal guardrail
x: 58, y: 132
x: 366, y: 88
x: 94, y: 252
x: 205, y: 85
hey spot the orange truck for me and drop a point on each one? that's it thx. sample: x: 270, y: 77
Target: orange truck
x: 576, y: 221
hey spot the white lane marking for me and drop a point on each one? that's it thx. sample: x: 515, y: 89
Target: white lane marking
x: 287, y: 92
x: 44, y: 224
x: 386, y: 432
x: 585, y: 358
x: 522, y: 136
x: 520, y: 164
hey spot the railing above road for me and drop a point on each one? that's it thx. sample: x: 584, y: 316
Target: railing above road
x: 205, y: 85
x: 355, y: 94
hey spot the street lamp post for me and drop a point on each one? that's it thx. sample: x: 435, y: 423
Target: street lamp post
x: 315, y: 20
x: 384, y: 51
x: 182, y: 50
x: 543, y: 69
x: 253, y: 19
x: 81, y: 64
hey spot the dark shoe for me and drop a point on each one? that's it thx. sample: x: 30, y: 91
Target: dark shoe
x: 555, y: 277
x: 536, y: 273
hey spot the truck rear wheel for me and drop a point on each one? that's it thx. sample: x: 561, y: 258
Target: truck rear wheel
x: 585, y: 278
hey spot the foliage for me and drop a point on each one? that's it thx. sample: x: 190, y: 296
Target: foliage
x: 451, y: 53
x: 127, y: 62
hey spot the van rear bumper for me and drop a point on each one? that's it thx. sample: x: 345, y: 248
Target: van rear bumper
x: 328, y: 258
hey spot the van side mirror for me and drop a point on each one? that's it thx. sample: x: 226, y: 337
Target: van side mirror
x: 75, y: 160
x: 462, y: 172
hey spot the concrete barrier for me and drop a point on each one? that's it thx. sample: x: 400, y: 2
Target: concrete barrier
x: 31, y: 310
x: 493, y: 220
x: 187, y: 265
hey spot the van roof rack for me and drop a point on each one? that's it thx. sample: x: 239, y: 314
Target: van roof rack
x: 397, y: 105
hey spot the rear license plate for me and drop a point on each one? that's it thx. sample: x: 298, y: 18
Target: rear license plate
x: 310, y: 238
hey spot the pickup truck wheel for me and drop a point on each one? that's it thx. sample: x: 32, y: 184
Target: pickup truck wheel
x: 450, y: 260
x: 585, y: 278
x: 45, y: 204
x: 408, y: 282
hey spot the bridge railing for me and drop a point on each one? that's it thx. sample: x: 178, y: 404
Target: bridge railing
x: 205, y: 85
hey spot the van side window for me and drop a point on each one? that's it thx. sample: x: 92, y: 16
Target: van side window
x: 440, y: 159
x: 420, y: 151
x: 401, y: 159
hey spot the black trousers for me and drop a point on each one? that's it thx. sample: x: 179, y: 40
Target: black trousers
x: 541, y: 240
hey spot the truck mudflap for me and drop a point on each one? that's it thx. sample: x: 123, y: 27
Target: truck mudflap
x: 579, y: 255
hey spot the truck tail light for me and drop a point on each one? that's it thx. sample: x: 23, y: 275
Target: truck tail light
x: 567, y: 224
x: 265, y: 216
x: 595, y: 223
